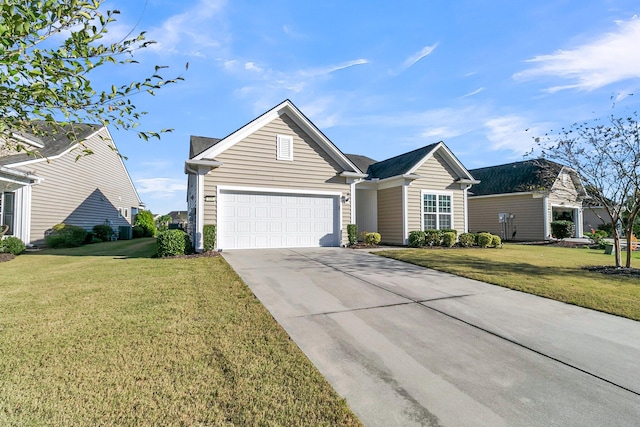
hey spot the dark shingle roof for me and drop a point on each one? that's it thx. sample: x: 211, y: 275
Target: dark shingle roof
x: 55, y: 141
x: 361, y: 162
x: 399, y: 165
x: 198, y: 144
x: 525, y: 176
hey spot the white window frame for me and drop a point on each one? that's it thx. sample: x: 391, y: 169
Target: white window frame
x: 284, y: 147
x: 437, y: 214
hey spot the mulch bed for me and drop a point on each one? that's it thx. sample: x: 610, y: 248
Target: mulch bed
x: 6, y: 257
x: 618, y: 271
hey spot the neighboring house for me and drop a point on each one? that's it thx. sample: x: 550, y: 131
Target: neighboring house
x: 593, y: 216
x: 179, y: 219
x: 280, y: 182
x: 58, y: 187
x: 518, y: 201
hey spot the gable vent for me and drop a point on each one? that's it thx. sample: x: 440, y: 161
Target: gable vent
x: 284, y: 149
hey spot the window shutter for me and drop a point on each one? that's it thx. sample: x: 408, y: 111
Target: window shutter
x: 284, y: 149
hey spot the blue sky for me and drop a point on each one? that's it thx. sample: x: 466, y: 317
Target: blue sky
x: 379, y: 78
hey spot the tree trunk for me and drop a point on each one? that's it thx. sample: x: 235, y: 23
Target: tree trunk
x: 616, y: 247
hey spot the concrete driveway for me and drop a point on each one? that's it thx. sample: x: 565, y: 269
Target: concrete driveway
x: 405, y: 345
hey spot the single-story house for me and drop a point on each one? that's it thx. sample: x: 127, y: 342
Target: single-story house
x: 518, y: 201
x: 55, y: 186
x: 279, y: 181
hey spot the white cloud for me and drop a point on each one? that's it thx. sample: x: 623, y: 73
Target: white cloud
x: 162, y: 188
x: 413, y: 59
x: 315, y: 72
x: 511, y: 133
x: 251, y: 66
x: 197, y: 29
x: 610, y: 58
x: 475, y: 92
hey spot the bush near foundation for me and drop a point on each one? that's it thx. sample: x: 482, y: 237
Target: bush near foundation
x: 352, y: 232
x: 209, y: 237
x: 496, y: 241
x: 173, y: 243
x: 416, y: 239
x: 484, y: 239
x: 448, y: 239
x: 12, y: 245
x: 467, y: 240
x: 65, y: 236
x: 372, y: 238
x: 563, y: 229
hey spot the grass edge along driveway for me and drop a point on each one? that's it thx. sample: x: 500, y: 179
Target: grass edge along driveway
x: 106, y: 335
x: 550, y: 272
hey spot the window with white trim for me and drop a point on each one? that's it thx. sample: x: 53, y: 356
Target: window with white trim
x: 437, y: 210
x: 284, y: 147
x: 7, y: 211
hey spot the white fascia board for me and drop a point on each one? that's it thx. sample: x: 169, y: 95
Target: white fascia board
x: 451, y: 160
x: 524, y: 193
x: 292, y: 111
x: 278, y: 190
x: 57, y: 156
x: 20, y: 177
x: 348, y: 174
x: 27, y: 140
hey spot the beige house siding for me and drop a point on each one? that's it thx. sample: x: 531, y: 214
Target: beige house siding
x: 390, y: 224
x: 252, y: 163
x: 84, y: 192
x: 437, y: 176
x: 528, y: 214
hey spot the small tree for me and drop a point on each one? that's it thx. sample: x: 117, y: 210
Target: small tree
x: 144, y: 219
x: 49, y: 50
x: 606, y: 155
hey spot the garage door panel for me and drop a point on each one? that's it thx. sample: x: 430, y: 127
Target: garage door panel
x: 272, y: 220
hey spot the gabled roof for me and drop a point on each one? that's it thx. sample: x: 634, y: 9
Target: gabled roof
x: 408, y: 163
x: 198, y: 144
x: 399, y: 165
x: 54, y: 142
x: 285, y: 107
x: 517, y: 177
x: 362, y: 162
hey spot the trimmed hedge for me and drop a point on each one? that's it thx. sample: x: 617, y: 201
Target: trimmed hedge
x: 432, y: 237
x: 12, y: 245
x: 484, y: 239
x: 563, y: 229
x: 352, y: 232
x: 372, y: 238
x: 448, y: 239
x: 496, y: 241
x: 65, y: 236
x: 209, y: 237
x: 102, y: 232
x: 173, y: 242
x: 467, y: 240
x: 137, y: 232
x: 416, y: 238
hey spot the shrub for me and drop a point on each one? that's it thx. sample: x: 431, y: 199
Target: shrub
x: 416, y: 239
x: 145, y: 220
x: 65, y: 236
x: 562, y: 229
x: 209, y: 237
x: 606, y: 227
x: 103, y: 232
x: 484, y: 239
x: 89, y: 238
x: 432, y: 237
x: 448, y: 238
x: 372, y: 238
x: 449, y: 230
x: 467, y: 240
x: 173, y: 242
x: 496, y: 241
x: 12, y: 245
x: 137, y: 232
x: 597, y: 237
x: 352, y: 232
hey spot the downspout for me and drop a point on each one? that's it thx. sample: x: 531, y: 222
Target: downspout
x: 545, y: 206
x: 405, y: 215
x: 466, y: 208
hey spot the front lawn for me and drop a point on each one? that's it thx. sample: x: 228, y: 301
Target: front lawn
x: 550, y: 272
x: 105, y: 335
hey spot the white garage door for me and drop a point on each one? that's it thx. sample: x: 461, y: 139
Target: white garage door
x: 275, y: 220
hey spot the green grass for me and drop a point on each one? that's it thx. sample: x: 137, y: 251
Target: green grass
x: 551, y: 272
x: 105, y: 335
